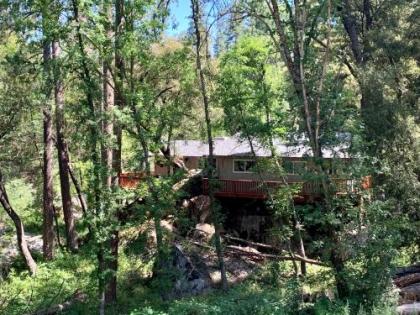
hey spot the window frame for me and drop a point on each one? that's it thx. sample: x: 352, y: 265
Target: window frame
x: 293, y: 163
x: 245, y: 161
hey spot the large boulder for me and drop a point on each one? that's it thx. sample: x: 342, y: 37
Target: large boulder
x: 198, y: 208
x: 410, y: 293
x: 203, y: 231
x: 9, y: 250
x: 409, y: 309
x: 407, y: 279
x: 185, y: 277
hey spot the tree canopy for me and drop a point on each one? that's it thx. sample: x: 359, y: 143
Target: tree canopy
x: 95, y: 92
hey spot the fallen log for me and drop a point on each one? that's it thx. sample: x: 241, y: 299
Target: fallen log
x: 403, y: 271
x: 201, y: 245
x: 410, y: 294
x: 261, y: 256
x: 251, y: 243
x: 294, y: 257
x: 404, y: 281
x: 274, y: 257
x: 77, y: 297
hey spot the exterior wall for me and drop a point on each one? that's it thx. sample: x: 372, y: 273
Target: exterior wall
x: 225, y: 171
x: 191, y: 162
x: 160, y: 170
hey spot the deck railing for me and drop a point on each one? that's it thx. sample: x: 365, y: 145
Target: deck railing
x: 130, y: 180
x: 258, y: 189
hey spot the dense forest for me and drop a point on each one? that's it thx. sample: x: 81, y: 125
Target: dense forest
x: 96, y: 94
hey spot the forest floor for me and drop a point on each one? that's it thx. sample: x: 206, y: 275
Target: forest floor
x: 258, y: 285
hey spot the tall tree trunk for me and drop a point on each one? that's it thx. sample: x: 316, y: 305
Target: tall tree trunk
x: 48, y: 234
x: 109, y: 258
x: 82, y: 200
x: 78, y: 190
x: 20, y: 232
x: 63, y: 158
x: 90, y: 87
x: 119, y: 99
x: 311, y: 101
x: 196, y: 15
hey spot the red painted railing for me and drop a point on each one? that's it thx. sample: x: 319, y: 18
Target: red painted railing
x: 258, y: 190
x: 130, y: 180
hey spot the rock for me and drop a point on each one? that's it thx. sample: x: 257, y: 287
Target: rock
x: 9, y: 250
x: 168, y: 225
x: 409, y: 309
x: 167, y: 228
x: 407, y: 280
x: 251, y: 225
x: 203, y: 231
x: 199, y: 207
x: 185, y: 277
x: 410, y: 294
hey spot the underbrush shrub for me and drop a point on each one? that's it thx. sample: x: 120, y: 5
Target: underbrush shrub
x: 147, y: 311
x: 326, y: 307
x: 256, y: 304
x: 54, y: 283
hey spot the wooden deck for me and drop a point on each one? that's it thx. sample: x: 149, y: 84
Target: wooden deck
x: 253, y: 189
x: 258, y: 190
x: 129, y: 180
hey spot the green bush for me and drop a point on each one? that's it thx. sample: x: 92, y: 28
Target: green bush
x: 22, y: 199
x: 54, y: 283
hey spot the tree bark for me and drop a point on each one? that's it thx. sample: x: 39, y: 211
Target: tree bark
x: 349, y: 22
x: 95, y: 132
x: 119, y: 99
x: 63, y: 158
x: 78, y: 190
x: 311, y: 101
x: 196, y: 15
x: 337, y: 262
x: 108, y: 260
x: 48, y: 234
x: 20, y: 232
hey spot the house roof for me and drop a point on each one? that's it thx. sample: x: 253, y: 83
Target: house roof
x: 234, y: 146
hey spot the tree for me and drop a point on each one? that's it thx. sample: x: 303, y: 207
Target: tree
x: 108, y: 259
x: 20, y: 231
x: 62, y: 150
x: 197, y: 21
x: 48, y: 235
x: 302, y: 33
x: 15, y: 84
x: 378, y: 54
x: 250, y: 93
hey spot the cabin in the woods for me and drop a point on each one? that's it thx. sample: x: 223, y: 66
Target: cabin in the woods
x: 238, y: 175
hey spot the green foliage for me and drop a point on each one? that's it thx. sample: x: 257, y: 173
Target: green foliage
x: 54, y: 283
x: 22, y: 197
x: 250, y: 90
x: 256, y: 100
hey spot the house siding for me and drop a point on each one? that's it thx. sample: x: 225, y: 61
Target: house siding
x: 225, y: 171
x: 191, y: 162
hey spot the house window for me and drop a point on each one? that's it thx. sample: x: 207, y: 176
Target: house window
x: 294, y: 167
x: 243, y: 166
